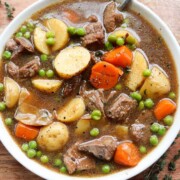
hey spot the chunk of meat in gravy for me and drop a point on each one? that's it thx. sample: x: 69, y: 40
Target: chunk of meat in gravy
x: 120, y: 108
x: 75, y: 160
x: 111, y: 18
x: 13, y: 69
x: 140, y: 130
x: 94, y: 37
x: 102, y: 148
x: 92, y: 18
x: 30, y: 69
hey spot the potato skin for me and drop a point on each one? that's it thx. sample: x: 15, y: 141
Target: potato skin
x: 53, y: 137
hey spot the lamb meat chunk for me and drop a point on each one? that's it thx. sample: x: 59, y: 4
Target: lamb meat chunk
x: 75, y: 160
x: 120, y: 108
x: 111, y: 18
x: 94, y: 38
x: 30, y: 69
x: 92, y: 18
x: 102, y: 148
x: 13, y: 69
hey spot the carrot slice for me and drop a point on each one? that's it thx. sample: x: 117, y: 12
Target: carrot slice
x: 127, y: 154
x: 26, y: 132
x: 121, y: 56
x: 71, y: 15
x: 105, y: 75
x: 164, y: 108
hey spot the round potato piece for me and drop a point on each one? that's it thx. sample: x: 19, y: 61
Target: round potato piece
x: 47, y: 86
x: 53, y: 137
x: 72, y: 111
x: 83, y: 125
x: 60, y: 30
x: 72, y: 61
x: 12, y: 92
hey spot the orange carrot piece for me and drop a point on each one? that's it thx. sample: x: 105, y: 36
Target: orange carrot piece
x: 120, y: 56
x: 105, y: 75
x: 163, y: 108
x: 26, y: 132
x: 127, y: 154
x: 71, y: 15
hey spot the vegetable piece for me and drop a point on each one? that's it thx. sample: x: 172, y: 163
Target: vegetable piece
x: 63, y: 169
x: 1, y: 87
x: 42, y: 72
x: 120, y: 56
x: 44, y: 159
x: 72, y: 61
x: 147, y: 73
x: 49, y: 73
x: 27, y: 35
x: 163, y: 108
x: 24, y: 96
x: 57, y: 162
x: 148, y: 103
x: 155, y: 127
x: 135, y: 77
x: 50, y: 34
x: 168, y: 120
x: 94, y: 132
x: 33, y: 145
x: 120, y: 41
x: 7, y: 55
x: 71, y: 30
x: 71, y: 111
x: 142, y: 149
x: 104, y: 75
x: 23, y: 29
x: 108, y: 46
x: 112, y: 38
x: 121, y: 131
x: 136, y: 96
x: 44, y: 57
x: 96, y: 115
x: 172, y: 95
x: 39, y: 154
x: 50, y: 41
x: 127, y: 154
x: 31, y: 153
x: 25, y: 147
x: 26, y: 132
x: 161, y: 130
x: 80, y: 31
x: 82, y: 126
x: 8, y: 121
x: 60, y: 30
x: 2, y: 106
x: 53, y: 137
x: 47, y: 86
x: 156, y: 85
x: 118, y: 87
x: 12, y: 92
x: 154, y: 140
x: 106, y: 169
x: 141, y: 105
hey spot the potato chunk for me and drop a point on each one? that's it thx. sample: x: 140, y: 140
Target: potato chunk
x: 47, y: 86
x: 135, y: 77
x: 12, y: 91
x: 53, y: 137
x: 71, y: 111
x: 72, y: 61
x: 82, y: 126
x: 156, y: 85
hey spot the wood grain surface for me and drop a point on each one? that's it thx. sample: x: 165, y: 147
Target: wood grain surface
x: 169, y: 11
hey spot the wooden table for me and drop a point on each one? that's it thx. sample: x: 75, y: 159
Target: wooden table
x: 169, y: 11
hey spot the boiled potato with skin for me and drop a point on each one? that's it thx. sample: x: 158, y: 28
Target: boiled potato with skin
x: 135, y: 77
x: 72, y: 61
x: 60, y: 30
x: 40, y: 41
x: 156, y: 85
x: 83, y: 125
x: 12, y: 92
x: 71, y: 111
x: 121, y: 131
x: 46, y: 85
x: 53, y: 137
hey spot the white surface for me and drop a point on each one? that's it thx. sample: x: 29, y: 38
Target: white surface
x: 150, y: 158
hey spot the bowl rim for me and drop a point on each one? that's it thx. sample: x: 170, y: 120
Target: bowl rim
x: 153, y: 156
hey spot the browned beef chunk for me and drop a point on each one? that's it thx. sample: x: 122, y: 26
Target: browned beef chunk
x: 120, y: 108
x: 110, y: 18
x: 71, y: 85
x: 140, y: 130
x: 92, y: 18
x: 75, y: 160
x: 94, y: 37
x: 13, y: 69
x: 30, y: 69
x: 102, y: 148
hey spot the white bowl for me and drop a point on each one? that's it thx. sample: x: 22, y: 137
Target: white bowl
x: 153, y: 156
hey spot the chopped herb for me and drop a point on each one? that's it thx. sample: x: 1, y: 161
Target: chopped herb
x: 172, y: 166
x: 167, y: 177
x: 9, y: 10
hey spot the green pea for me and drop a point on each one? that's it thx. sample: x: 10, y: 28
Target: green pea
x: 71, y: 30
x: 39, y: 154
x: 57, y: 162
x: 112, y: 38
x: 168, y: 120
x: 131, y: 46
x: 2, y: 106
x: 96, y: 115
x: 120, y: 41
x: 161, y: 131
x: 149, y: 103
x: 31, y: 153
x: 63, y: 169
x: 172, y: 95
x: 49, y: 73
x: 94, y: 132
x: 142, y: 149
x: 19, y: 34
x: 147, y: 73
x: 50, y: 34
x: 155, y: 127
x: 108, y: 46
x: 154, y: 140
x: 1, y: 87
x: 141, y: 105
x: 42, y: 72
x: 7, y: 55
x: 50, y: 41
x: 130, y: 40
x: 106, y: 169
x: 30, y: 25
x: 126, y: 21
x: 44, y: 57
x: 33, y: 145
x: 23, y: 29
x: 25, y: 147
x: 118, y: 87
x: 8, y: 121
x: 80, y: 31
x: 27, y: 35
x: 137, y: 96
x: 44, y: 159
